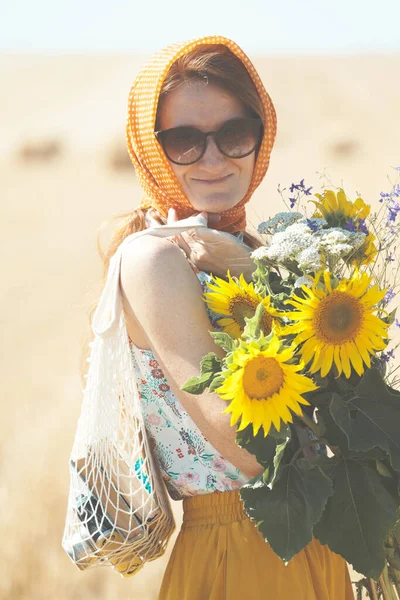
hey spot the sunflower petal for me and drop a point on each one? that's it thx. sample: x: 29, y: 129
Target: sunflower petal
x: 336, y: 358
x: 355, y: 358
x: 327, y: 361
x: 345, y: 361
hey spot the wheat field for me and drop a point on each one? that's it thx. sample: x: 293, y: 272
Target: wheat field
x: 63, y: 171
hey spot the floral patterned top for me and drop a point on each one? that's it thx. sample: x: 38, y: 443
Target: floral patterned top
x: 189, y: 464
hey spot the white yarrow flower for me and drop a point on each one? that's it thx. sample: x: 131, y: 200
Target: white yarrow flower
x: 285, y: 245
x: 305, y: 244
x: 260, y: 253
x: 309, y: 260
x: 339, y: 243
x: 279, y: 222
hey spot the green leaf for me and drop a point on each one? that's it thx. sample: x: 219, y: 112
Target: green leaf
x: 262, y: 447
x: 383, y: 469
x: 393, y: 391
x: 288, y: 512
x: 327, y: 464
x: 196, y: 385
x: 358, y: 517
x: 216, y: 382
x: 252, y: 329
x: 391, y: 317
x: 322, y: 396
x: 266, y: 475
x: 279, y: 459
x: 283, y: 434
x: 371, y: 417
x: 280, y: 298
x: 224, y: 340
x: 374, y: 454
x: 333, y: 434
x: 396, y: 532
x: 393, y: 557
x: 210, y: 365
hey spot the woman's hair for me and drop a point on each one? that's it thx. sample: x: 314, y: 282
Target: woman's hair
x: 209, y: 63
x: 214, y: 64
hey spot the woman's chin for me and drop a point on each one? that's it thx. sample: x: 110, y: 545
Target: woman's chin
x: 217, y: 203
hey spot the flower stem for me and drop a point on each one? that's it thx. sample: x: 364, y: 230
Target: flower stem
x: 387, y: 589
x: 374, y: 593
x: 397, y: 586
x: 395, y: 575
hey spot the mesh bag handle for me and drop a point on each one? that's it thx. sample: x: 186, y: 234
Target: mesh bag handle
x: 119, y: 512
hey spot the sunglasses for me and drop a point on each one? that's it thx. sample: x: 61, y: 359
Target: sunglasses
x: 236, y: 138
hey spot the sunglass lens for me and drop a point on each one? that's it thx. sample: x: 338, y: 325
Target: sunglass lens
x: 183, y: 145
x: 239, y: 137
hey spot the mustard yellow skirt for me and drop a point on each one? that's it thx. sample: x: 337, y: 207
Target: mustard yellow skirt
x: 220, y: 555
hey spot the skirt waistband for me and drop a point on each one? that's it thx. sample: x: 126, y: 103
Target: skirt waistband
x: 211, y: 509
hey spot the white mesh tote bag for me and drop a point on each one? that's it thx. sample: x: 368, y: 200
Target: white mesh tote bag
x: 119, y: 511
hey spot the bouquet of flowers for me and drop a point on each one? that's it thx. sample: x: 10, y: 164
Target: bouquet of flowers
x: 308, y: 375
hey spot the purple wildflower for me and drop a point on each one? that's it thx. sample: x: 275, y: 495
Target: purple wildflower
x: 356, y: 225
x: 389, y: 296
x: 362, y: 226
x: 292, y: 202
x: 351, y: 225
x: 390, y: 258
x: 300, y: 187
x: 386, y: 356
x: 397, y: 323
x: 312, y: 224
x: 393, y: 212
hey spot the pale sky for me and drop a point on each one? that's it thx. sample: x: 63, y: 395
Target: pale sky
x: 280, y: 27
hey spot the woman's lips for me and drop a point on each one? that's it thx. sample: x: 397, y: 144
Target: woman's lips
x: 213, y: 181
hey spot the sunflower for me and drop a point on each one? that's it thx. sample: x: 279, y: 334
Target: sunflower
x: 262, y: 386
x: 237, y: 299
x: 338, y: 325
x: 337, y: 210
x: 366, y: 253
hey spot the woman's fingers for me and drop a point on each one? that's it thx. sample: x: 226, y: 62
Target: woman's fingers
x: 172, y: 216
x: 184, y: 245
x: 213, y: 219
x: 178, y: 238
x: 192, y: 241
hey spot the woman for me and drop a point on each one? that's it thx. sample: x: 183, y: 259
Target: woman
x: 200, y: 132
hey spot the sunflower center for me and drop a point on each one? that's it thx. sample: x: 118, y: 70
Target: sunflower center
x: 262, y: 377
x: 338, y: 318
x: 243, y: 306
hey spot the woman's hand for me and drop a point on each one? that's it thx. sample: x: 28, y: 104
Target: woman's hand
x: 214, y: 251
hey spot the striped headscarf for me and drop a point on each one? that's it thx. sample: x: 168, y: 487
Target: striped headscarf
x: 162, y: 189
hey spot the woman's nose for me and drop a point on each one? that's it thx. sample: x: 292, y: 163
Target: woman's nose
x: 212, y: 157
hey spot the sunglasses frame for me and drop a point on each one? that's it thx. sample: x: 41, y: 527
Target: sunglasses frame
x: 213, y: 134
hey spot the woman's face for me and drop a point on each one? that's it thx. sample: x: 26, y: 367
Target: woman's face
x: 207, y: 107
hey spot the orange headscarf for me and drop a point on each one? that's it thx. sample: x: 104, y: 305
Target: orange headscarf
x: 151, y: 164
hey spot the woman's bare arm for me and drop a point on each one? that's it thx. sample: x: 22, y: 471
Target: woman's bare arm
x: 165, y: 297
